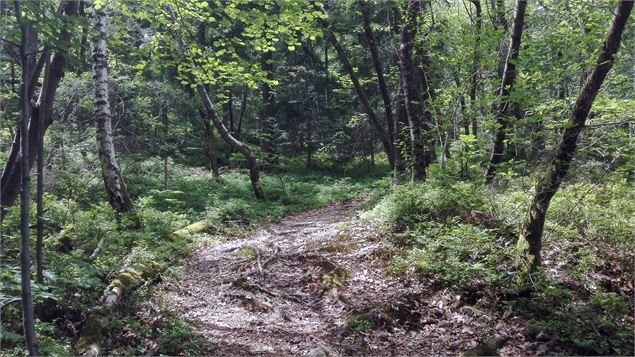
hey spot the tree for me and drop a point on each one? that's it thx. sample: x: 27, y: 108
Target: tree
x: 379, y: 71
x: 420, y: 125
x: 254, y: 170
x: 361, y: 93
x: 530, y: 242
x: 267, y: 110
x: 118, y: 195
x: 27, y: 49
x: 507, y: 84
x: 475, y: 72
x: 9, y: 182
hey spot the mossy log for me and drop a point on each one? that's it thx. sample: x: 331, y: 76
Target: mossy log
x: 89, y: 343
x: 193, y: 228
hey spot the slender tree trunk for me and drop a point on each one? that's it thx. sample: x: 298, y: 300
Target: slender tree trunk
x: 10, y: 181
x: 431, y: 113
x: 401, y: 127
x: 243, y: 107
x: 39, y: 242
x: 509, y: 77
x: 361, y: 93
x: 211, y: 146
x: 267, y: 110
x: 230, y: 110
x: 419, y: 125
x: 118, y: 195
x: 500, y: 21
x: 475, y: 73
x: 166, y: 152
x: 309, y: 127
x: 27, y: 59
x: 383, y: 88
x: 326, y: 75
x: 530, y: 242
x: 83, y: 43
x: 254, y: 171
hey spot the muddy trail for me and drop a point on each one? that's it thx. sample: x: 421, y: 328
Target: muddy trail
x: 318, y: 284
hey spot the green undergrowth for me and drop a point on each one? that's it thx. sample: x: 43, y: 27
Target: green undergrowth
x: 78, y: 218
x: 461, y: 236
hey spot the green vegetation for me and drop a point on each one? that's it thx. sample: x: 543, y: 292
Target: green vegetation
x: 75, y: 226
x: 460, y: 235
x: 489, y: 144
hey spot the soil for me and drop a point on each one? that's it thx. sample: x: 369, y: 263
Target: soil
x: 318, y: 283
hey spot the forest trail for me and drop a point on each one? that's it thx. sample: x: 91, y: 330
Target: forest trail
x: 317, y: 284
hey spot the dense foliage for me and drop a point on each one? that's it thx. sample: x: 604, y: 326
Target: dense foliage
x: 237, y: 113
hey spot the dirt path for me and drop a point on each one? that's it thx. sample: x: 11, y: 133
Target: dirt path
x: 317, y: 284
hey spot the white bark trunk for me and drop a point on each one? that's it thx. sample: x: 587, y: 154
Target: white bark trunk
x: 117, y: 193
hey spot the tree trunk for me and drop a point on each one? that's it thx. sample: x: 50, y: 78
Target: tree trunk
x: 10, y: 180
x: 530, y: 242
x: 230, y: 110
x: 401, y: 137
x: 309, y: 127
x: 500, y: 21
x: 267, y: 110
x: 419, y: 124
x: 326, y: 75
x: 27, y: 59
x: 39, y: 199
x: 475, y: 72
x: 166, y: 152
x: 509, y: 77
x: 254, y: 171
x: 243, y: 107
x: 361, y: 93
x: 211, y: 146
x: 374, y: 51
x: 118, y: 195
x: 134, y: 272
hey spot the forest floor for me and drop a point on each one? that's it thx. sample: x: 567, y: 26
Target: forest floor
x: 318, y: 283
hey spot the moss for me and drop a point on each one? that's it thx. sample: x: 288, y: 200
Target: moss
x: 194, y: 228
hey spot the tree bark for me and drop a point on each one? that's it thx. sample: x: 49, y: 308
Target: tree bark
x: 254, y: 171
x: 509, y: 77
x: 475, y: 72
x: 419, y: 123
x: 361, y: 93
x: 500, y: 21
x: 27, y: 59
x: 118, y: 195
x: 230, y: 110
x: 166, y: 151
x: 211, y: 146
x: 530, y: 242
x: 381, y: 80
x: 10, y: 180
x: 39, y: 199
x: 267, y: 110
x: 243, y: 108
x: 401, y: 126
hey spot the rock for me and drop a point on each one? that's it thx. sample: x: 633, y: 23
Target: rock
x: 319, y: 351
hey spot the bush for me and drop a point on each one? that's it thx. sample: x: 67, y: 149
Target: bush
x: 596, y: 326
x: 410, y: 204
x: 459, y: 256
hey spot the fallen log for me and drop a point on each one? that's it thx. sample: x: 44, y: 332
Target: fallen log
x: 133, y: 274
x: 89, y: 343
x: 187, y: 231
